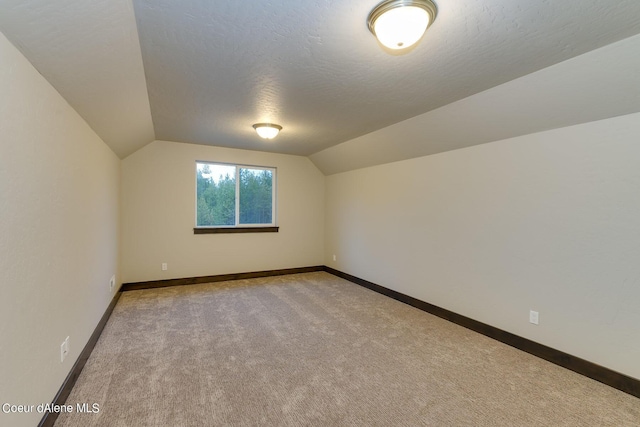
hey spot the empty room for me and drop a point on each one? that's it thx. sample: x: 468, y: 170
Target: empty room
x: 322, y: 213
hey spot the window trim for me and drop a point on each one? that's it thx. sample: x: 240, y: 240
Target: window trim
x: 233, y: 230
x: 238, y: 227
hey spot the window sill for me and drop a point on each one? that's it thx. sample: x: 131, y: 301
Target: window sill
x: 231, y: 230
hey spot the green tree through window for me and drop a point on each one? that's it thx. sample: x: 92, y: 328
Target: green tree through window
x: 221, y: 189
x: 256, y: 196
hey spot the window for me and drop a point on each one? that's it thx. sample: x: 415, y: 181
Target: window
x: 235, y: 198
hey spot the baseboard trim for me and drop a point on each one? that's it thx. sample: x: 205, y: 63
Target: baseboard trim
x: 49, y: 419
x: 217, y: 278
x: 599, y: 373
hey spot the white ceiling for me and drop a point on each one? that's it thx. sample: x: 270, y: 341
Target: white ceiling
x: 596, y: 85
x: 89, y: 51
x: 204, y: 71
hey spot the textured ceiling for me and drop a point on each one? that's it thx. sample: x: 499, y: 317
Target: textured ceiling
x: 89, y: 51
x: 213, y: 68
x: 596, y: 85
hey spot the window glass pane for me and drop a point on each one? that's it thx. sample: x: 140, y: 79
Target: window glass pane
x: 256, y: 197
x: 216, y: 192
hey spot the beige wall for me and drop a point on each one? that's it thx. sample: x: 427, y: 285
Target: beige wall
x: 59, y: 234
x: 596, y: 85
x: 158, y: 216
x: 548, y: 221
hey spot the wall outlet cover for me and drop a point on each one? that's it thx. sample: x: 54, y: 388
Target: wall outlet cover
x: 533, y: 317
x: 64, y: 349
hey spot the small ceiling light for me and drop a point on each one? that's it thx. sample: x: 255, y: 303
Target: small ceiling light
x: 267, y: 130
x: 399, y: 24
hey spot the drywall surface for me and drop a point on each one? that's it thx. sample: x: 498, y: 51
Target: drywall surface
x: 545, y: 222
x: 158, y: 216
x: 90, y: 52
x: 59, y: 225
x: 596, y: 85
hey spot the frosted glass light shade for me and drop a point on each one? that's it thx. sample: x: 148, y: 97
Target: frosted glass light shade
x: 267, y: 130
x: 402, y: 27
x: 399, y: 24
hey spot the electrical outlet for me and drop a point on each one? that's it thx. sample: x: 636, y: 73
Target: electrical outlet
x: 164, y: 266
x: 112, y: 282
x: 533, y: 317
x: 334, y: 257
x: 64, y: 349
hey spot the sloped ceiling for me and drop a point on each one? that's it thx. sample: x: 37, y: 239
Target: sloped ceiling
x: 596, y: 85
x: 89, y: 51
x: 203, y: 71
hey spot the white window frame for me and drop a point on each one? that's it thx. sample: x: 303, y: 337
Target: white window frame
x: 238, y: 166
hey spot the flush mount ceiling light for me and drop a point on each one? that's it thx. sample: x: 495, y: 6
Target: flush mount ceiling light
x: 399, y: 24
x: 267, y: 130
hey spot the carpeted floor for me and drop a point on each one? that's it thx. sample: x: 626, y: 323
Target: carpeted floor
x: 313, y: 349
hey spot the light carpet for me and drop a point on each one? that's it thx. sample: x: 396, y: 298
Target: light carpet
x: 316, y: 350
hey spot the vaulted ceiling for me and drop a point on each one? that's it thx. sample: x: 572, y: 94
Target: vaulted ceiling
x: 203, y: 71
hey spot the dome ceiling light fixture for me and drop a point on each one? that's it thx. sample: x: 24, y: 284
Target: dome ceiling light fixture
x: 267, y: 130
x: 399, y: 24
